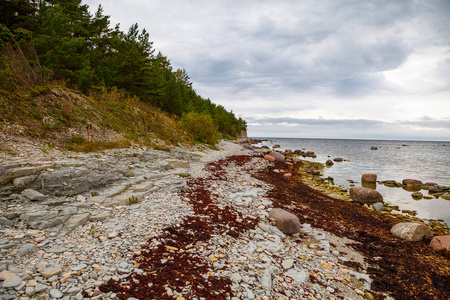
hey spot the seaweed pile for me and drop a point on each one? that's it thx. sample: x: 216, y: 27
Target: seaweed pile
x: 404, y: 270
x: 171, y: 262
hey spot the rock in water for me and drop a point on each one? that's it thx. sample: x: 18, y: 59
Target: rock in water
x: 369, y: 177
x: 411, y: 231
x: 365, y: 195
x: 288, y: 223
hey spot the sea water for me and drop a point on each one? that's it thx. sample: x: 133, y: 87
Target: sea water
x: 393, y: 160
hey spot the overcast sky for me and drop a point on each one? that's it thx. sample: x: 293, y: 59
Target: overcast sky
x: 325, y: 69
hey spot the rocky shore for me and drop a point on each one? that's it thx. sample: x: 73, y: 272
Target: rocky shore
x: 186, y: 224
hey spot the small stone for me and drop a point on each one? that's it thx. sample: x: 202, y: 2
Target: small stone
x: 12, y: 282
x: 41, y: 287
x: 56, y: 293
x: 33, y: 195
x: 6, y: 274
x: 5, y: 222
x: 29, y: 291
x: 236, y: 277
x: 81, y: 198
x: 378, y: 206
x: 287, y: 263
x: 113, y: 234
x: 51, y: 271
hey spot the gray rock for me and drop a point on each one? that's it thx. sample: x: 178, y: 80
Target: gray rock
x: 33, y: 195
x: 56, y: 293
x: 30, y: 291
x: 378, y: 206
x: 12, y: 282
x: 266, y: 280
x: 287, y: 263
x: 236, y: 278
x: 57, y: 249
x: 27, y: 249
x: 5, y: 222
x: 40, y: 288
x: 23, y: 181
x: 51, y: 271
x: 100, y: 216
x: 75, y: 221
x: 299, y: 276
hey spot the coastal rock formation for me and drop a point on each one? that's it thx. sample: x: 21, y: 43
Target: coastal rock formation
x: 288, y: 223
x: 365, y: 195
x: 277, y: 155
x: 369, y: 177
x: 311, y: 154
x: 417, y: 195
x: 413, y: 182
x: 411, y: 231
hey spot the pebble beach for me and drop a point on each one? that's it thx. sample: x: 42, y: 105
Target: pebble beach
x: 142, y: 235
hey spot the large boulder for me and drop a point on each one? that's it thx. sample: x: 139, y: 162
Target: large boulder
x: 412, y: 182
x: 277, y: 155
x: 365, y: 195
x: 287, y: 222
x: 369, y: 177
x: 411, y: 231
x: 440, y: 243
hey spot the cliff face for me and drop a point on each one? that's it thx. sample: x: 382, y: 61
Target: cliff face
x: 243, y: 134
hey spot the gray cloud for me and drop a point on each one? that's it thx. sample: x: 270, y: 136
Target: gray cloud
x: 309, y: 59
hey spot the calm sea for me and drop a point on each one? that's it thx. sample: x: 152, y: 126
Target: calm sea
x: 394, y: 160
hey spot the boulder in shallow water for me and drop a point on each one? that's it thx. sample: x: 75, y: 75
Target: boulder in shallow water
x: 446, y: 196
x: 338, y: 159
x: 369, y: 177
x: 411, y: 231
x: 287, y: 222
x: 329, y: 163
x: 365, y: 195
x: 417, y: 195
x: 414, y: 182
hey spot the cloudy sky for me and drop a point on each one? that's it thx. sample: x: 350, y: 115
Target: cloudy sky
x: 312, y: 68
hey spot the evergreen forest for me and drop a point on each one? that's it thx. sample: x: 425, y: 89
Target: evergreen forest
x: 48, y: 41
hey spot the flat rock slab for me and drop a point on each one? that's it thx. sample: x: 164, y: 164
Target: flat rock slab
x: 33, y: 195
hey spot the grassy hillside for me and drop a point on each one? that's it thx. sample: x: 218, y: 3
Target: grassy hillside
x: 67, y: 118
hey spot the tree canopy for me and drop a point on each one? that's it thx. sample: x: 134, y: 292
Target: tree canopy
x: 86, y: 53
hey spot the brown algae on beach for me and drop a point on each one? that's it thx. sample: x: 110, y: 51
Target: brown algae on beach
x: 404, y: 270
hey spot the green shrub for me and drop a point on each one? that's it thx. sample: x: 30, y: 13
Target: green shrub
x: 200, y: 127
